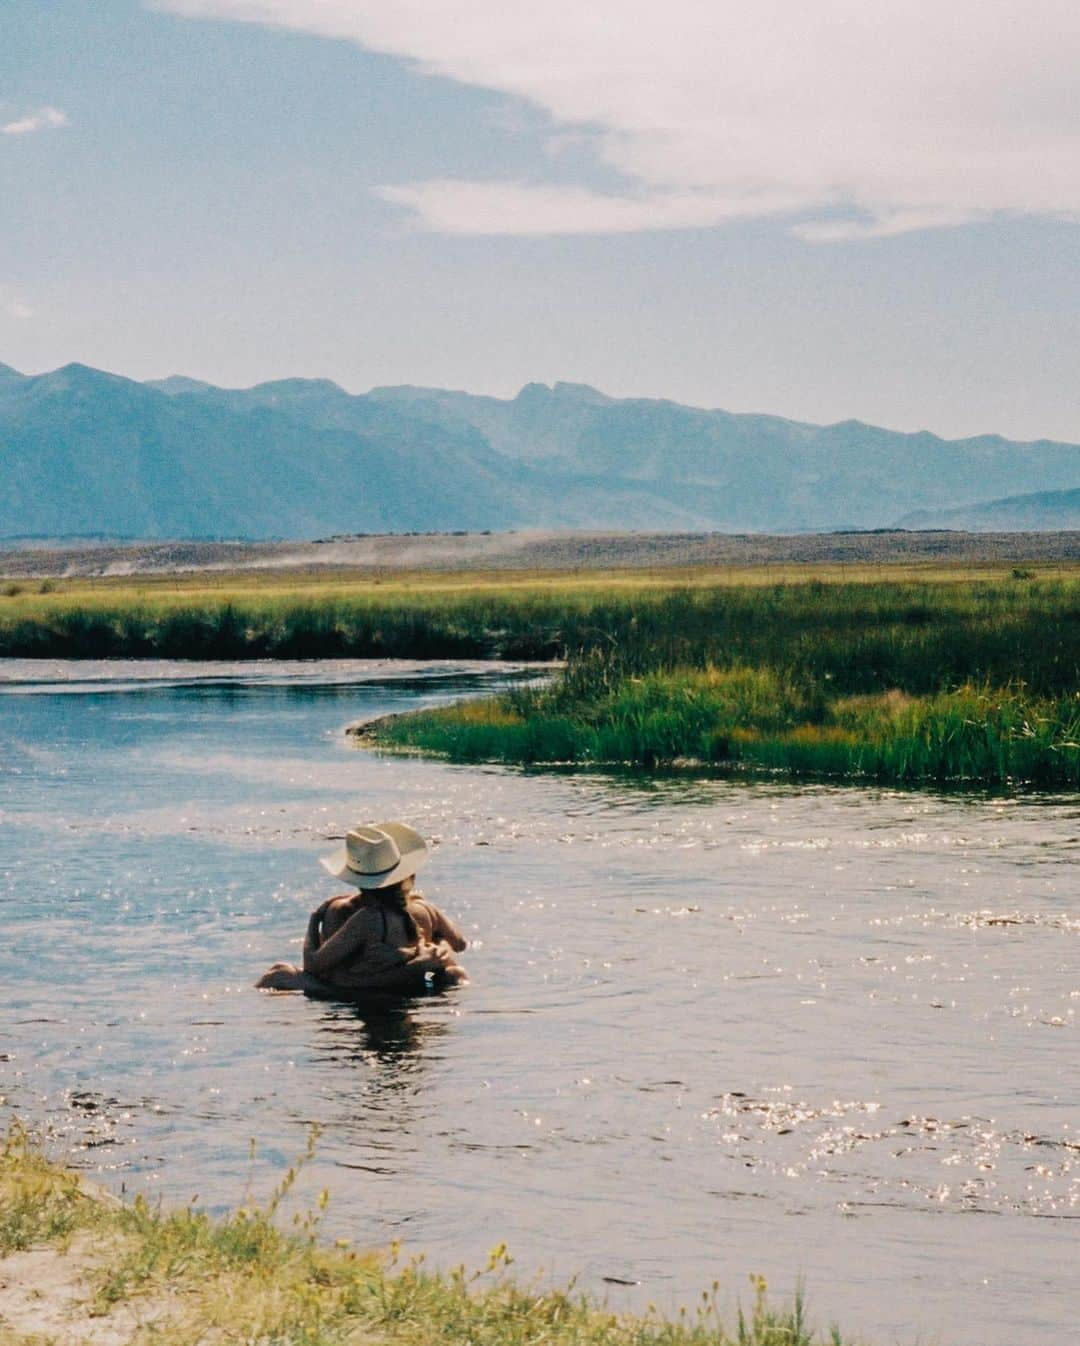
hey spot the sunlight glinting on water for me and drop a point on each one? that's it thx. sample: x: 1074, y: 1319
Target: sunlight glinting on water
x: 715, y: 1027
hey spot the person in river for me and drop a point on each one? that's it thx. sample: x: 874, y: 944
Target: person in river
x: 383, y: 938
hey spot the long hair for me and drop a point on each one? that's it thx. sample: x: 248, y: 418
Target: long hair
x: 395, y: 897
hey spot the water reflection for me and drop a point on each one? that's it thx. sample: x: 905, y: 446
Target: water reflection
x: 715, y: 1027
x: 266, y: 677
x: 387, y: 1040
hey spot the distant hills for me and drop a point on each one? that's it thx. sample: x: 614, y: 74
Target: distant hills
x: 87, y: 452
x: 1040, y: 511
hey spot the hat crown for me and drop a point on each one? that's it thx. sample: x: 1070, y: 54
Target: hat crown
x: 376, y: 855
x: 370, y: 850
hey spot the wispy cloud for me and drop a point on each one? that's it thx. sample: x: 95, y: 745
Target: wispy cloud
x: 457, y: 206
x: 853, y: 120
x: 44, y: 119
x: 11, y: 306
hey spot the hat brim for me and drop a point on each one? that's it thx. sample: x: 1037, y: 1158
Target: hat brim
x: 338, y: 865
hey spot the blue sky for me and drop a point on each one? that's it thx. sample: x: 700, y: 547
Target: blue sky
x: 820, y: 210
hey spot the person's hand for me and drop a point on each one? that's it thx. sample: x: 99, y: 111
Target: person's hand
x: 436, y: 956
x: 428, y: 958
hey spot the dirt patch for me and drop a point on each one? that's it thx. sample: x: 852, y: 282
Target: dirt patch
x: 46, y: 1296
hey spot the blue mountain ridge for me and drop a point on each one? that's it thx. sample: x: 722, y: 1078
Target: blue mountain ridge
x: 83, y: 451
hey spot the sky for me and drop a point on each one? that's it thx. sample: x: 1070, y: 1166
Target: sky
x: 821, y: 209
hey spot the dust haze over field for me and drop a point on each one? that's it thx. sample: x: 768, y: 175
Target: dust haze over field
x: 533, y: 550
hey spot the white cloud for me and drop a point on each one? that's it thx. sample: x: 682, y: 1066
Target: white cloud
x: 13, y: 307
x: 45, y: 118
x: 858, y: 119
x: 455, y: 206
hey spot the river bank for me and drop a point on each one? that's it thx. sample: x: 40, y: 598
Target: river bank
x: 880, y: 674
x: 78, y: 1266
x: 745, y: 721
x: 970, y: 684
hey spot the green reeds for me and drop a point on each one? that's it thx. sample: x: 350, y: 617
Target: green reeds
x: 763, y: 720
x: 856, y: 637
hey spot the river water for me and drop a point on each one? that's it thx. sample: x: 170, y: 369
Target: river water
x: 715, y: 1028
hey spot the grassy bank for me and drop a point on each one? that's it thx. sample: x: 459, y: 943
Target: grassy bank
x: 755, y: 719
x: 146, y: 1274
x: 886, y: 673
x: 965, y: 682
x: 906, y: 681
x: 866, y: 630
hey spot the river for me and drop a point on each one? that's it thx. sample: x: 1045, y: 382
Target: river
x: 715, y: 1028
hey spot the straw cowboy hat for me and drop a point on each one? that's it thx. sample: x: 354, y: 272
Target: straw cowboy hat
x: 375, y: 855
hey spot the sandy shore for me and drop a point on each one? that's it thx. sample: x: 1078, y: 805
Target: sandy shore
x: 79, y: 1268
x: 46, y: 1296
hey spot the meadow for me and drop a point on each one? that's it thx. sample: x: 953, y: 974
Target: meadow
x: 890, y: 673
x: 138, y: 1273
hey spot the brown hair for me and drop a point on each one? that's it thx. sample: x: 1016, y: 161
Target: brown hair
x: 395, y: 897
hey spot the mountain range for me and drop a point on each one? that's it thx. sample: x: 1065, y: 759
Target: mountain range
x: 84, y: 452
x: 1040, y: 511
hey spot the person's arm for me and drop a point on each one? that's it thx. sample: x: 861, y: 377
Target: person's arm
x: 342, y: 945
x: 442, y: 927
x: 313, y: 936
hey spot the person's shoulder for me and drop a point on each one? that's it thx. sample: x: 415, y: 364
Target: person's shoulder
x: 344, y: 907
x: 358, y: 913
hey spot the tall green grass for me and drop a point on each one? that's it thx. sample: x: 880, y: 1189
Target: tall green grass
x: 974, y: 684
x: 760, y: 719
x: 857, y: 637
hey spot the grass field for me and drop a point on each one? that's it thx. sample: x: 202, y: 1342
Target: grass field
x: 667, y: 613
x: 136, y: 1274
x: 893, y: 673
